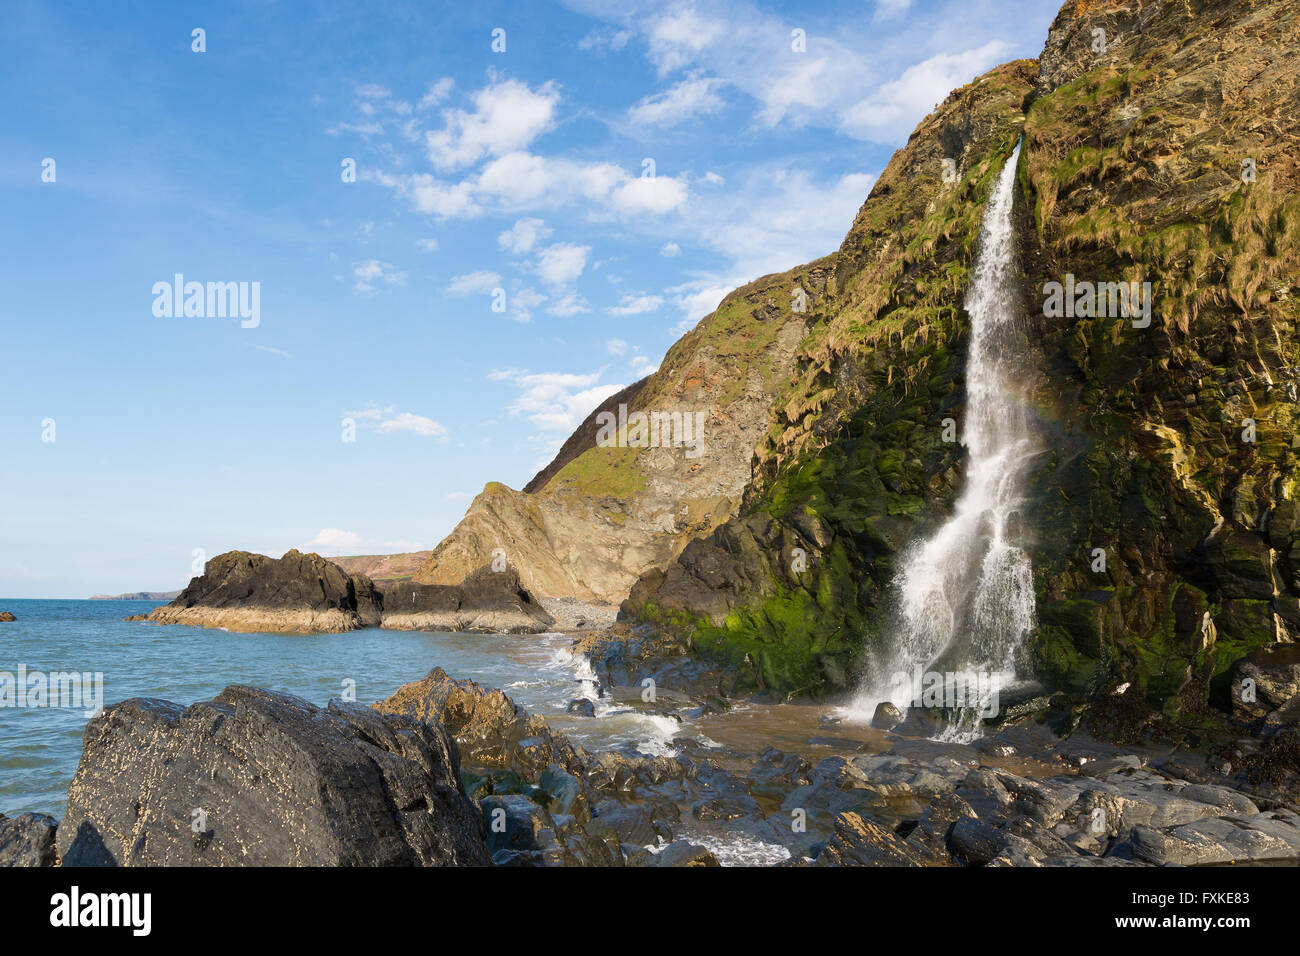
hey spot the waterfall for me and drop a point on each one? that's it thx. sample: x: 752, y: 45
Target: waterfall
x: 964, y: 597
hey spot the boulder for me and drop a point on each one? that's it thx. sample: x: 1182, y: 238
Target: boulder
x: 492, y: 731
x: 27, y: 840
x: 887, y: 716
x: 258, y: 778
x: 862, y: 842
x: 297, y: 593
x: 7, y: 616
x: 1266, y: 680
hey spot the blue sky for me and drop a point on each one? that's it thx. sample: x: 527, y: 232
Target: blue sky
x: 522, y: 171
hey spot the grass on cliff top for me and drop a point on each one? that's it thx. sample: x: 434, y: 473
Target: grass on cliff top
x: 600, y: 472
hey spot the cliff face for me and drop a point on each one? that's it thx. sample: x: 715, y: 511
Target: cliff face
x: 602, y: 513
x: 854, y: 464
x: 1172, y: 444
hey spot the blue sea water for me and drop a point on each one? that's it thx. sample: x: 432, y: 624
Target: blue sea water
x: 40, y: 746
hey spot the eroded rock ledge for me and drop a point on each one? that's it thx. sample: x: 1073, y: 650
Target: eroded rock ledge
x: 305, y: 593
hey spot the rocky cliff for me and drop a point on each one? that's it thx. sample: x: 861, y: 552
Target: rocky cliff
x: 606, y: 510
x: 1159, y: 146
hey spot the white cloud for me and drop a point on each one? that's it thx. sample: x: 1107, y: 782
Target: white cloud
x: 372, y: 270
x: 568, y: 304
x: 562, y: 263
x: 428, y: 245
x: 616, y: 346
x: 507, y: 116
x: 894, y: 108
x: 679, y: 36
x: 890, y: 9
x: 692, y: 97
x: 523, y: 235
x: 670, y: 250
x: 437, y: 93
x: 416, y: 424
x: 520, y: 304
x: 651, y: 194
x: 445, y: 200
x: 602, y: 40
x: 474, y: 282
x: 334, y: 540
x: 636, y: 305
x: 521, y: 181
x: 388, y: 420
x: 558, y: 401
x: 642, y: 366
x: 696, y: 299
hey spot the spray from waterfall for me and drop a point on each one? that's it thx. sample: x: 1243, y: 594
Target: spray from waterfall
x: 964, y: 596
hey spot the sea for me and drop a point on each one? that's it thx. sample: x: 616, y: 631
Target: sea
x: 40, y: 745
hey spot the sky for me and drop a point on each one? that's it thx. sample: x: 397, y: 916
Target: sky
x: 463, y: 226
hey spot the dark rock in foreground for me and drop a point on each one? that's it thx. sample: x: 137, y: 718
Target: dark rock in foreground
x: 7, y: 616
x: 27, y: 840
x: 486, y: 600
x: 257, y: 778
x: 301, y: 593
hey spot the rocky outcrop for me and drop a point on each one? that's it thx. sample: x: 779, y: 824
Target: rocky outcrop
x: 600, y: 514
x: 27, y: 840
x: 487, y: 600
x: 299, y: 593
x: 304, y: 593
x: 6, y: 616
x: 491, y: 730
x: 256, y: 778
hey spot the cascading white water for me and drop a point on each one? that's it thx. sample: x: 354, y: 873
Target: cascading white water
x: 965, y: 595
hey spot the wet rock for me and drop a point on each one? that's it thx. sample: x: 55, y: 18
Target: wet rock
x: 976, y: 842
x: 522, y: 833
x: 862, y: 842
x: 886, y: 717
x: 681, y: 853
x: 6, y: 616
x: 27, y: 840
x: 776, y: 772
x: 725, y: 808
x: 1266, y: 680
x: 620, y: 772
x: 937, y: 821
x: 1230, y: 839
x: 581, y: 707
x: 491, y: 729
x: 633, y: 824
x: 254, y: 778
x: 563, y: 793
